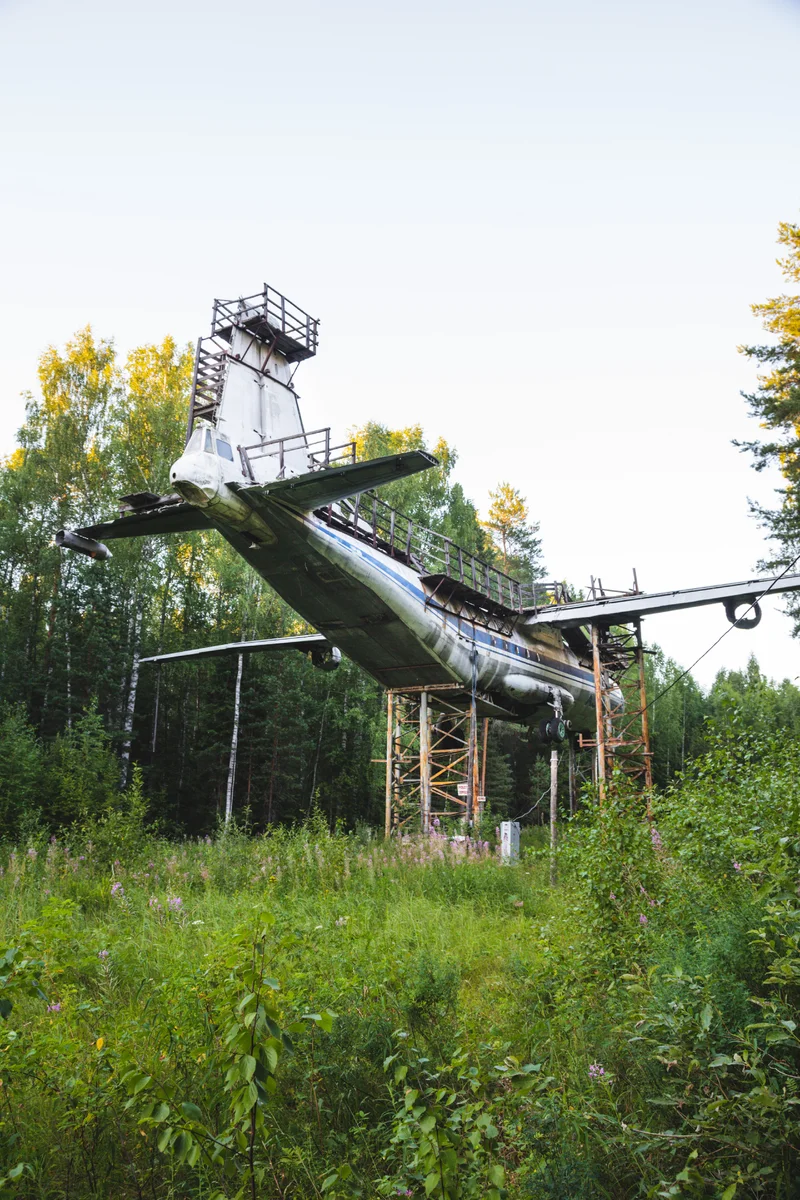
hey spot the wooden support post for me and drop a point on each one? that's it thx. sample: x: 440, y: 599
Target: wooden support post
x: 573, y: 779
x: 484, y: 751
x: 387, y: 820
x: 599, y: 711
x: 648, y: 762
x: 553, y: 813
x: 472, y: 762
x: 397, y: 764
x: 424, y: 763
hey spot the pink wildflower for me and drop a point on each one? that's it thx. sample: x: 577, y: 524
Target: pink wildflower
x: 642, y: 919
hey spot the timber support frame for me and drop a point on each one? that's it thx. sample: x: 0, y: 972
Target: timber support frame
x: 433, y: 759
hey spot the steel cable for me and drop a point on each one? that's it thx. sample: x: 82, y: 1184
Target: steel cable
x: 724, y: 634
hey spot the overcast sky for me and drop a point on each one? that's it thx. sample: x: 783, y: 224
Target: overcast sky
x: 536, y: 229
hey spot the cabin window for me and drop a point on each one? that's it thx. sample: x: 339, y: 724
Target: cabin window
x: 224, y: 450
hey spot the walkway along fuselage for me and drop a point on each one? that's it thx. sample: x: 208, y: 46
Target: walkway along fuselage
x: 378, y: 612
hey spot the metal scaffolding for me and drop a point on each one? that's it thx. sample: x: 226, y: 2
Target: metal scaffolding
x: 622, y: 740
x: 432, y: 758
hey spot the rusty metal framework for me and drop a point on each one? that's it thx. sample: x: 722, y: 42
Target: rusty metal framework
x: 432, y: 758
x: 622, y: 741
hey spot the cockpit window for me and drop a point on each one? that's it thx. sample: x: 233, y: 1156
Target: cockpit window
x: 224, y: 450
x: 209, y: 446
x: 195, y: 443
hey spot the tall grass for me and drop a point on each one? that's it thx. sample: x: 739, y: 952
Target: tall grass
x: 432, y: 1022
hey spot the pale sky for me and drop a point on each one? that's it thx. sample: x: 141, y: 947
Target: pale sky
x: 535, y: 229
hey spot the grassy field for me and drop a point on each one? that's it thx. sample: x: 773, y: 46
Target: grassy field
x: 316, y: 1015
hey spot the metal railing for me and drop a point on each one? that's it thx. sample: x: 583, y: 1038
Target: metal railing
x: 373, y: 521
x: 316, y: 445
x: 266, y: 313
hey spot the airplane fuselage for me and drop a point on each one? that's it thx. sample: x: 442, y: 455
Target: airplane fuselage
x: 376, y: 608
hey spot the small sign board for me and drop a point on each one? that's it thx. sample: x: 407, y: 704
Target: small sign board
x: 463, y: 789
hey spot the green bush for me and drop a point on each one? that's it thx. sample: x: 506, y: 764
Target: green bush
x: 493, y: 1036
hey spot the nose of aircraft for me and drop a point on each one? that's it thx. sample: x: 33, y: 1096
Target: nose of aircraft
x: 196, y: 477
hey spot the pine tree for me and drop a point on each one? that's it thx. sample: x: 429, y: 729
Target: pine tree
x: 516, y: 539
x: 776, y: 404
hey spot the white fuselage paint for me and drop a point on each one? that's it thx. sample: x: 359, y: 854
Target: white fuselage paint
x: 259, y: 406
x: 527, y: 668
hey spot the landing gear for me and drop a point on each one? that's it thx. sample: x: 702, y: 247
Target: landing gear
x: 554, y: 730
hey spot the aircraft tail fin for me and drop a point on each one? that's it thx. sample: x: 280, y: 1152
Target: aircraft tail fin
x: 316, y: 489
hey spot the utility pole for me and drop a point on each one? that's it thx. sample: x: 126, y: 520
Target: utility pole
x: 553, y: 813
x: 387, y: 822
x: 573, y: 777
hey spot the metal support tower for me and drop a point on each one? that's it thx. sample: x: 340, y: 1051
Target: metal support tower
x: 432, y: 758
x: 622, y: 740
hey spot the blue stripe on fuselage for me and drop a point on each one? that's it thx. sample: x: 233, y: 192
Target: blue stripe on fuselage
x: 381, y: 564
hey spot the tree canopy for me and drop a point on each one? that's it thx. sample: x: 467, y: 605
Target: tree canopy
x: 776, y: 404
x: 515, y: 539
x: 75, y: 709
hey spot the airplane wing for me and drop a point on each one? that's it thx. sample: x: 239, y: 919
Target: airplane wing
x: 318, y: 488
x: 300, y: 641
x: 168, y: 514
x: 609, y: 610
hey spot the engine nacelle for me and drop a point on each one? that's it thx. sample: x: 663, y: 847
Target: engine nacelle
x: 326, y: 658
x: 65, y: 539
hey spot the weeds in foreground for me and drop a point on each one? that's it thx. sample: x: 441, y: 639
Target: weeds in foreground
x: 314, y: 1015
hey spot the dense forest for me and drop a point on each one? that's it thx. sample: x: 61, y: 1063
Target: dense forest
x: 76, y: 705
x: 289, y: 1006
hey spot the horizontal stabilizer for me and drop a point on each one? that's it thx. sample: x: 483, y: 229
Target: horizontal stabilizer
x: 300, y: 641
x: 318, y: 488
x: 609, y: 610
x: 173, y: 517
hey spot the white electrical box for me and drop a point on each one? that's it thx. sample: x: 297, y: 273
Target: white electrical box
x: 509, y: 841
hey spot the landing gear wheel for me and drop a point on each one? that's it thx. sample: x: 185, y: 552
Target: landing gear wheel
x: 557, y: 730
x: 554, y: 730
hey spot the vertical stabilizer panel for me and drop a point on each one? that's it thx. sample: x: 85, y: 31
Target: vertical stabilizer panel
x: 257, y: 407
